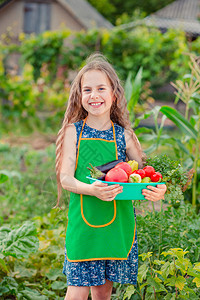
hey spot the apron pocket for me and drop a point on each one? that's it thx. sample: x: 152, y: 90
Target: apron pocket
x: 96, y: 212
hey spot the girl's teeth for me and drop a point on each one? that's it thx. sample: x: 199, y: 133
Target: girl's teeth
x: 95, y: 103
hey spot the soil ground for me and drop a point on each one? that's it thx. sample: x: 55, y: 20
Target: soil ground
x: 37, y: 141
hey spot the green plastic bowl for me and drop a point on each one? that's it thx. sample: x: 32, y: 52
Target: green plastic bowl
x: 131, y: 191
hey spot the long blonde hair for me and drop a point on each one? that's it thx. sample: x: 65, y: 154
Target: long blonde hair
x: 75, y: 112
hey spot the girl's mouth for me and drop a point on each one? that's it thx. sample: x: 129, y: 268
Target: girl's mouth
x: 96, y: 104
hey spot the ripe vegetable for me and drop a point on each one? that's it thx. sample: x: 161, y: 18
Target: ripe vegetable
x: 133, y: 164
x: 149, y: 171
x: 106, y: 167
x: 146, y: 180
x: 134, y: 178
x: 125, y: 166
x: 116, y: 175
x: 140, y: 172
x: 95, y: 173
x: 156, y: 177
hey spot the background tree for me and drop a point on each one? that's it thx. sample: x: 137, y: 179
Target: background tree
x: 113, y: 9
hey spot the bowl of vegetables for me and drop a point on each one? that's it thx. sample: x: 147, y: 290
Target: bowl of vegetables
x: 128, y: 175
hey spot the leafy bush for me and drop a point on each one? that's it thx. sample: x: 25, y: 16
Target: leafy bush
x: 160, y: 55
x: 18, y: 242
x: 158, y: 231
x: 28, y: 102
x: 39, y: 90
x: 176, y: 278
x: 46, y: 48
x: 176, y: 177
x: 31, y: 189
x: 40, y: 276
x: 113, y: 9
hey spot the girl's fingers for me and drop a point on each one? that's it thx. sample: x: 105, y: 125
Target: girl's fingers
x: 112, y: 187
x: 150, y: 193
x: 155, y: 193
x: 114, y: 193
x: 100, y: 183
x: 152, y: 196
x: 110, y: 195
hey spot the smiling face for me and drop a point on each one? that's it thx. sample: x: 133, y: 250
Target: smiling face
x: 97, y: 94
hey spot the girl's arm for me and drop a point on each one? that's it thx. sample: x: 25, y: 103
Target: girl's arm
x: 67, y: 179
x: 134, y: 151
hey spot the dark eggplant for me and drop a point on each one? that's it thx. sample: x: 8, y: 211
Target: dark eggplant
x: 102, y: 177
x: 96, y: 173
x: 106, y: 167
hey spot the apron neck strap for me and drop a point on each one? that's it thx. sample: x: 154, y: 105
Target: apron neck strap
x: 84, y: 126
x: 114, y: 138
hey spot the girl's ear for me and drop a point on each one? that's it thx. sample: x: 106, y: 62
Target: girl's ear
x: 114, y: 98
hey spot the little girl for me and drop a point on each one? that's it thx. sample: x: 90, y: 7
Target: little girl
x: 101, y: 239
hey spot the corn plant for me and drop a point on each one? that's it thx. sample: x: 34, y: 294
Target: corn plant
x: 188, y: 91
x: 132, y: 91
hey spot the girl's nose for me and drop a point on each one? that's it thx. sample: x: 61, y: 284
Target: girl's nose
x: 94, y: 95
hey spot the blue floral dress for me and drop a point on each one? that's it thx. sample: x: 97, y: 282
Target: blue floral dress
x: 94, y: 273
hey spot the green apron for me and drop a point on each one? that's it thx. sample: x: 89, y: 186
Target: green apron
x: 98, y: 229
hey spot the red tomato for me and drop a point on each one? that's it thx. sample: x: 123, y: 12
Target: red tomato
x: 124, y: 166
x: 116, y: 175
x: 156, y: 177
x: 140, y: 172
x: 149, y: 171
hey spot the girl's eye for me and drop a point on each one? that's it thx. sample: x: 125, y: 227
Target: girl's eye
x: 101, y: 89
x: 86, y: 90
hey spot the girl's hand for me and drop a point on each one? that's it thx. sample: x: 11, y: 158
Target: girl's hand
x: 156, y: 193
x: 104, y: 192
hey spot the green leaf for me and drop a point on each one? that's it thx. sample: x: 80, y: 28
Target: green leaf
x: 3, y: 266
x: 11, y: 174
x: 197, y: 266
x: 146, y: 255
x: 58, y: 285
x: 4, y: 230
x: 151, y: 149
x: 143, y: 130
x: 170, y: 296
x: 128, y: 87
x: 165, y: 269
x: 3, y: 178
x: 129, y: 292
x: 143, y: 285
x: 8, y: 285
x: 4, y: 147
x: 156, y: 283
x: 32, y: 294
x: 179, y: 120
x: 170, y: 281
x: 50, y: 294
x: 21, y: 270
x: 142, y: 271
x: 193, y: 272
x: 20, y: 242
x: 182, y: 147
x: 187, y: 289
x: 149, y: 137
x: 159, y: 262
x: 136, y: 87
x: 197, y: 281
x: 54, y: 274
x: 180, y: 282
x: 183, y: 265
